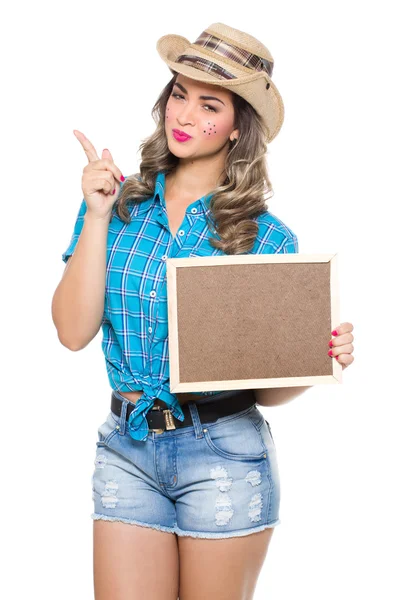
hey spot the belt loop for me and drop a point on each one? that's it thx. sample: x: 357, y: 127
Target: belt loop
x: 198, y: 428
x: 122, y: 417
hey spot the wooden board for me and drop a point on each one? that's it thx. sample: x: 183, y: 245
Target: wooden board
x: 251, y: 321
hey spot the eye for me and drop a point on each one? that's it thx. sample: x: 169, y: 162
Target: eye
x: 208, y: 106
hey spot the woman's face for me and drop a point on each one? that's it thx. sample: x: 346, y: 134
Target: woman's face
x: 203, y: 111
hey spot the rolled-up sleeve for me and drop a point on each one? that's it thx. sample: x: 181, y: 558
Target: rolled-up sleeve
x: 290, y: 246
x: 77, y: 231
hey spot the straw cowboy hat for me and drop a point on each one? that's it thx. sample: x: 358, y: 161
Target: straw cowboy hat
x: 232, y: 59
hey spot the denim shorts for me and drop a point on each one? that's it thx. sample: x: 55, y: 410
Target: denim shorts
x: 208, y: 480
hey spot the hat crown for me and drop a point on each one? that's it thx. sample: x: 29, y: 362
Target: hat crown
x: 241, y: 39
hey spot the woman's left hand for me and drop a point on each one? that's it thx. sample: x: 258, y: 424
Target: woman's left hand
x: 341, y: 345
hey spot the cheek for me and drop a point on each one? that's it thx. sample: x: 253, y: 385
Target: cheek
x: 169, y: 112
x: 215, y: 129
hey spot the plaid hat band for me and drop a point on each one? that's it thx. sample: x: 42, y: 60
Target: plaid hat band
x: 205, y: 65
x: 234, y: 53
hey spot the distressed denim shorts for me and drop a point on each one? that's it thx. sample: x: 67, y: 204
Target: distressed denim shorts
x: 208, y: 480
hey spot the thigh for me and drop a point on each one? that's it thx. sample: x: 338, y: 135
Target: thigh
x: 131, y: 562
x: 221, y: 569
x: 135, y: 552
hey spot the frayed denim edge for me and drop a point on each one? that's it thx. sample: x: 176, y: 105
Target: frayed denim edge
x: 97, y: 517
x: 228, y: 534
x: 182, y: 532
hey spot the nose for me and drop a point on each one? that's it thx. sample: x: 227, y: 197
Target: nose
x: 185, y: 115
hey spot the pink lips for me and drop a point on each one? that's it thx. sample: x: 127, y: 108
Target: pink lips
x: 180, y: 136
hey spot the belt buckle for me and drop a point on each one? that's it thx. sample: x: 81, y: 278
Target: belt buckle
x: 168, y: 417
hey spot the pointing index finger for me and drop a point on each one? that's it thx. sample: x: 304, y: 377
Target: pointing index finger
x: 88, y: 147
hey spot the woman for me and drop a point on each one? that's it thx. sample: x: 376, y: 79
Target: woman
x: 185, y: 486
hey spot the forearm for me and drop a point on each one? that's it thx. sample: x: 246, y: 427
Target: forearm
x: 281, y: 395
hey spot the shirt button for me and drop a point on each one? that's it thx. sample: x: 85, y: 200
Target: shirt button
x: 194, y: 210
x: 181, y: 232
x: 164, y: 257
x: 150, y: 329
x: 152, y: 293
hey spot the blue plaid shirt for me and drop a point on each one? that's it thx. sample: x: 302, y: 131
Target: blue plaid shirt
x: 135, y: 325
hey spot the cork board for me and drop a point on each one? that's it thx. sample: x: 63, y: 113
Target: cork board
x: 251, y: 321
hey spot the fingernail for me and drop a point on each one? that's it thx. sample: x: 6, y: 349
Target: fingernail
x: 122, y: 178
x: 331, y: 343
x: 113, y: 191
x: 330, y: 353
x: 337, y: 358
x: 334, y: 332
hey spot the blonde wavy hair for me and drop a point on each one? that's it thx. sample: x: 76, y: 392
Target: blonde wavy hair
x: 236, y: 203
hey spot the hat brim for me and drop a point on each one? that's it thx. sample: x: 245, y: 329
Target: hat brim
x: 251, y: 87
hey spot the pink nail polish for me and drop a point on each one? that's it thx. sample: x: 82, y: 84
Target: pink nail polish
x: 334, y: 332
x: 330, y: 353
x: 331, y: 343
x: 113, y: 192
x: 122, y: 178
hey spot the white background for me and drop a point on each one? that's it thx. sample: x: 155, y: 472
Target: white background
x: 93, y: 66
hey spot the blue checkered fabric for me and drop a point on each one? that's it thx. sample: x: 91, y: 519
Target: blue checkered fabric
x: 135, y: 325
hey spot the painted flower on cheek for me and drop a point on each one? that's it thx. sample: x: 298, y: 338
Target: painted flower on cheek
x: 210, y: 128
x: 219, y: 130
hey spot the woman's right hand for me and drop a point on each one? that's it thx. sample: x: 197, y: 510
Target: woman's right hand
x: 100, y: 177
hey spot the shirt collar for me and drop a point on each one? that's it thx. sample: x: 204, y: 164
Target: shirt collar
x: 159, y: 191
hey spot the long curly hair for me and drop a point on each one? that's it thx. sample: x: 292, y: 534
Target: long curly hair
x: 236, y: 203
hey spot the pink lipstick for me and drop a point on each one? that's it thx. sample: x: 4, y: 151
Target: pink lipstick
x: 181, y: 136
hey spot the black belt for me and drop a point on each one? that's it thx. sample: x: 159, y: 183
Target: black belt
x: 160, y: 419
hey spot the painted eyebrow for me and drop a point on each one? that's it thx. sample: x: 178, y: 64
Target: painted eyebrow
x: 201, y: 97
